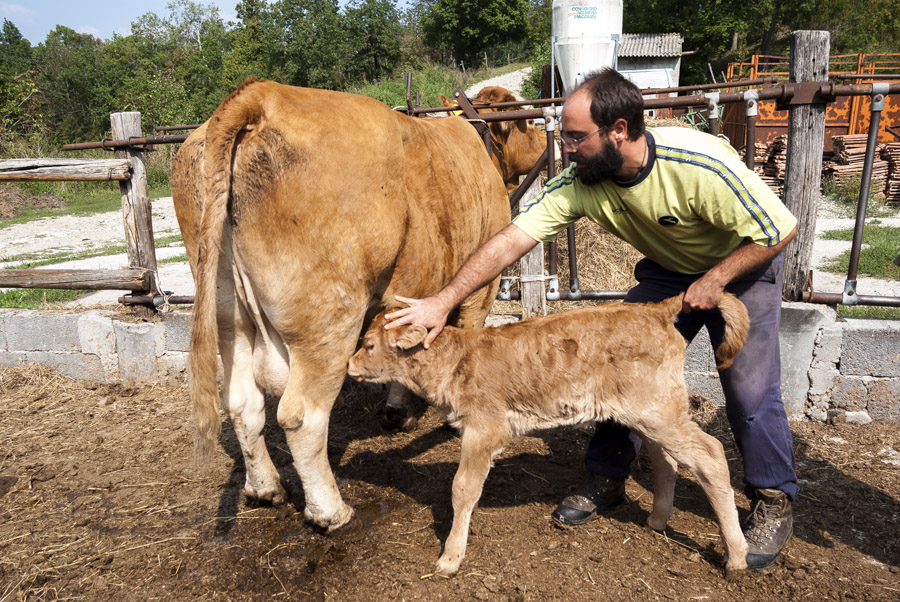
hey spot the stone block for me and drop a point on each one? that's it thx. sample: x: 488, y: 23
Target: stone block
x: 821, y: 381
x: 178, y: 330
x: 97, y: 337
x: 849, y: 393
x: 40, y: 331
x: 883, y: 400
x: 172, y: 369
x: 699, y: 356
x: 3, y: 345
x: 139, y: 345
x: 76, y: 365
x: 827, y: 352
x: 705, y: 384
x: 800, y: 325
x: 857, y: 417
x: 871, y: 348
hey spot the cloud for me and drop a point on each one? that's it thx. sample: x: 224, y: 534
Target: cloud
x: 17, y: 12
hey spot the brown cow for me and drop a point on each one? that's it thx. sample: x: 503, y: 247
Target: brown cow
x: 619, y: 361
x: 303, y: 213
x: 515, y: 145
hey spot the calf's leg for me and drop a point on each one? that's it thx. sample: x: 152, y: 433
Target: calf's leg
x: 478, y: 448
x: 704, y: 456
x: 664, y: 472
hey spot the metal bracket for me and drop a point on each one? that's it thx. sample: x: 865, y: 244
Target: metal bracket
x: 751, y: 99
x: 879, y: 91
x: 850, y: 297
x: 806, y: 93
x: 553, y: 289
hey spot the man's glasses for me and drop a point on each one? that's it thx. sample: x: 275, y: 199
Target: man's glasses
x: 576, y: 142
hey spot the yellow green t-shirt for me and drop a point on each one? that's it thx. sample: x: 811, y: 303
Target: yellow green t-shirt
x: 692, y: 205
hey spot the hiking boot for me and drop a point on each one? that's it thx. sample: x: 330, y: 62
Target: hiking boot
x: 594, y: 494
x: 768, y: 528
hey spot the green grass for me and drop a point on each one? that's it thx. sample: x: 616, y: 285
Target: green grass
x: 846, y: 196
x: 42, y: 260
x: 868, y: 311
x: 37, y: 298
x: 881, y: 245
x: 100, y: 198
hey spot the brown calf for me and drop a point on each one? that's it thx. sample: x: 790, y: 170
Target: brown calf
x: 619, y: 361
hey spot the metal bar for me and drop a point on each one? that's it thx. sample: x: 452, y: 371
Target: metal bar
x: 530, y: 177
x: 838, y: 299
x: 169, y: 128
x: 850, y: 295
x: 752, y: 112
x: 132, y: 141
x: 156, y: 300
x: 732, y: 84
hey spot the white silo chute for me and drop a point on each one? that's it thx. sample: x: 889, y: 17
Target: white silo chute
x: 586, y: 36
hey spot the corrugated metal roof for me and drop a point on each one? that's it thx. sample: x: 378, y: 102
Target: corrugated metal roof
x: 650, y: 44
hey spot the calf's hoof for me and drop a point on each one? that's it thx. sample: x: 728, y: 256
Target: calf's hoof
x: 734, y: 574
x: 398, y: 420
x: 446, y: 567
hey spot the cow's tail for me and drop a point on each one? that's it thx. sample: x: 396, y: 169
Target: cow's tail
x: 237, y: 113
x: 737, y: 323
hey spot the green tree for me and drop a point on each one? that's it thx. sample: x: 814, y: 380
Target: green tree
x: 252, y: 42
x: 465, y: 28
x: 311, y: 43
x: 373, y: 37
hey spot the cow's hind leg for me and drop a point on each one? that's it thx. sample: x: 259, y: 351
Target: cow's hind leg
x: 244, y: 400
x: 704, y: 456
x: 303, y: 413
x: 478, y: 449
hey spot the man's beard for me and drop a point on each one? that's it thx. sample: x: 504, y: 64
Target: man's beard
x: 605, y: 164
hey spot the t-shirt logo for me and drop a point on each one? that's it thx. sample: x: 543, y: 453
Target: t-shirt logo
x: 668, y: 220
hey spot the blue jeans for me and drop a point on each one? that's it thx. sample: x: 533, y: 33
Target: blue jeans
x: 752, y: 385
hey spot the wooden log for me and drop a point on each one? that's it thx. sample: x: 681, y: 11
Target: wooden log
x: 136, y: 203
x: 26, y: 170
x: 126, y: 280
x: 803, y: 165
x: 531, y: 268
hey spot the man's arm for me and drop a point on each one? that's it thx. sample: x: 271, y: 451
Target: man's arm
x: 481, y: 267
x: 706, y: 292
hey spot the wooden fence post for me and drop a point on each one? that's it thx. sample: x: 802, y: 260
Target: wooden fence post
x: 531, y: 268
x: 803, y: 170
x: 136, y: 202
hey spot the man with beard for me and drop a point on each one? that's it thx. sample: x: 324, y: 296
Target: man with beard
x: 706, y: 224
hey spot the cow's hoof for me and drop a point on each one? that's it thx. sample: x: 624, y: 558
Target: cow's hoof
x: 271, y: 496
x: 398, y: 420
x: 332, y: 522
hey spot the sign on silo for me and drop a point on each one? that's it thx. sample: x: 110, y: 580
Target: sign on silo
x: 585, y: 37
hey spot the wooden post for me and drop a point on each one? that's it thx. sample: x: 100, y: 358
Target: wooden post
x: 136, y: 203
x: 803, y: 170
x: 531, y: 266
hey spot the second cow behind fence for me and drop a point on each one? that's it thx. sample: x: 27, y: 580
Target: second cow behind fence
x: 619, y: 361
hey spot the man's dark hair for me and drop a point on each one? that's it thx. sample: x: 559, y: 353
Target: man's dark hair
x: 614, y: 97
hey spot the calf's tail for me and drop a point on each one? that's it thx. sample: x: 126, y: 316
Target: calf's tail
x: 237, y: 114
x: 737, y: 323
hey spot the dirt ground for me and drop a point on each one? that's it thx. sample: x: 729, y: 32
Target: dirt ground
x: 99, y: 500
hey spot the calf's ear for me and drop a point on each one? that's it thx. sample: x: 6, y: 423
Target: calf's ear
x: 411, y: 336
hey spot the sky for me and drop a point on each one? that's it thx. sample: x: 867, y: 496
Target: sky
x: 100, y: 18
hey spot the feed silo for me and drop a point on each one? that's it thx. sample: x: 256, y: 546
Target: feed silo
x: 585, y: 38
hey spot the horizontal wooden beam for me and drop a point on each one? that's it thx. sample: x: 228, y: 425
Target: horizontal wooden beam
x: 25, y: 170
x: 96, y: 280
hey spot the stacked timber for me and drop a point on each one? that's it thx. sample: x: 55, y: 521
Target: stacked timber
x: 891, y: 154
x: 849, y: 159
x: 773, y: 166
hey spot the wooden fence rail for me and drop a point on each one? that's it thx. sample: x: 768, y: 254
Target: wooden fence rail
x: 129, y: 170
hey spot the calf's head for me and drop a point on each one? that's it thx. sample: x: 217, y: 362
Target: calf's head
x: 383, y: 356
